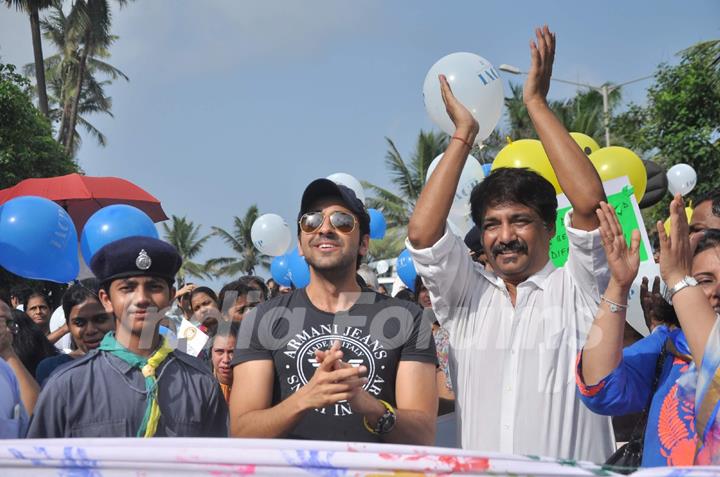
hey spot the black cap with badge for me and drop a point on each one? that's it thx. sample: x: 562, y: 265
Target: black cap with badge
x: 322, y: 188
x: 135, y: 256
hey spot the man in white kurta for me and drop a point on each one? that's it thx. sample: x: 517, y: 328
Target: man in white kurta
x: 513, y: 367
x: 515, y: 332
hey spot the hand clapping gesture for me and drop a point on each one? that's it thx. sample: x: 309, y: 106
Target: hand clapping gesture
x: 459, y: 114
x: 623, y: 261
x: 676, y: 250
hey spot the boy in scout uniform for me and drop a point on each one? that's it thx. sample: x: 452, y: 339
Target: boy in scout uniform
x: 134, y: 385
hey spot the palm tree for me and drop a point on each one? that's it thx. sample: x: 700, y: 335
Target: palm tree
x: 62, y: 70
x: 247, y: 258
x: 33, y: 7
x: 409, y: 178
x: 184, y: 235
x: 583, y: 113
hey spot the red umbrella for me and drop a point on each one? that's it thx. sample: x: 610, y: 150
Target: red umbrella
x: 82, y: 195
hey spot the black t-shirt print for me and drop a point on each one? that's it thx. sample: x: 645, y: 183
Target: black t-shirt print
x: 377, y: 332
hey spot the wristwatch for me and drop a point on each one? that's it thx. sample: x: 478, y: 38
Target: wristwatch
x: 385, y: 423
x: 687, y: 281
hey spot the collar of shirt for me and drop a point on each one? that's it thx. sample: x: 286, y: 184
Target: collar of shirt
x: 538, y: 279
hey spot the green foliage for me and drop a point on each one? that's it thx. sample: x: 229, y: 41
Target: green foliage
x: 681, y: 116
x: 27, y: 148
x: 185, y: 236
x: 408, y: 178
x: 247, y: 258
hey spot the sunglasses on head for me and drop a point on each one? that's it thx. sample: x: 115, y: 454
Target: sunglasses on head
x: 341, y: 221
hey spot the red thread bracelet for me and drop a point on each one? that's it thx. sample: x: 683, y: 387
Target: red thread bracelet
x: 462, y: 141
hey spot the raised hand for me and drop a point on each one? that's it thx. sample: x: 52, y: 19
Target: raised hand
x: 542, y: 56
x: 676, y: 250
x: 623, y: 261
x: 459, y: 114
x: 655, y: 309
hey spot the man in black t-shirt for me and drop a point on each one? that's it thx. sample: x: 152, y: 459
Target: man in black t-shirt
x: 335, y: 361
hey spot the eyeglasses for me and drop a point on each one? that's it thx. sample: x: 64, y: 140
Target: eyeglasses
x: 12, y: 325
x: 341, y: 221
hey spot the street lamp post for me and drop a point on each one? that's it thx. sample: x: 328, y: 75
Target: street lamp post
x: 604, y: 90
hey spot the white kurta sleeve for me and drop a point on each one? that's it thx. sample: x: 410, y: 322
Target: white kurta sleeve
x: 587, y: 264
x: 449, y: 274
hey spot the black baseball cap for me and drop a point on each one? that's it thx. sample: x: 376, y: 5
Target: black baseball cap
x: 322, y: 188
x: 473, y: 240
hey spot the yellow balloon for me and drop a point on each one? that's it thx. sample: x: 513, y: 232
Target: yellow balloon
x: 614, y: 161
x: 586, y: 143
x: 527, y: 153
x: 688, y: 214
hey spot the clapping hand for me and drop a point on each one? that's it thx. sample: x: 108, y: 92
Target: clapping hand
x: 459, y: 114
x: 676, y: 250
x: 542, y: 56
x: 624, y: 262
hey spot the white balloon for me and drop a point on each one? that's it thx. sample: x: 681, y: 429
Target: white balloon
x: 350, y: 182
x: 472, y: 174
x: 382, y: 267
x: 474, y: 82
x: 459, y: 223
x: 681, y: 178
x: 271, y: 235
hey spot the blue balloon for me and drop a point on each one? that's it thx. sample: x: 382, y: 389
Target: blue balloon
x: 112, y: 223
x: 38, y: 240
x: 406, y: 269
x: 279, y: 269
x: 377, y: 224
x: 299, y: 270
x: 486, y: 169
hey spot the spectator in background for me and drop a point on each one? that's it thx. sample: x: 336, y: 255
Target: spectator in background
x: 18, y: 390
x: 18, y: 295
x: 382, y: 290
x: 442, y: 347
x: 406, y: 294
x: 273, y: 288
x: 473, y: 240
x: 205, y: 309
x: 706, y: 213
x: 257, y: 283
x: 237, y: 298
x: 222, y: 348
x: 88, y: 323
x: 30, y: 343
x: 283, y: 290
x: 368, y: 276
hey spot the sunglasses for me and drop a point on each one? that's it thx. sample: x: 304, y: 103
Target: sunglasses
x: 341, y: 221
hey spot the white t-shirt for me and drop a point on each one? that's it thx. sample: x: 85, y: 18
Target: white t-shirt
x: 57, y: 319
x: 514, y: 367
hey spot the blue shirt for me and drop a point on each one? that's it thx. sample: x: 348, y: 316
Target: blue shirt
x: 670, y: 433
x: 13, y: 418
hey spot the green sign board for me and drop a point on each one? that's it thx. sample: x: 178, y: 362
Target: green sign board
x: 622, y: 203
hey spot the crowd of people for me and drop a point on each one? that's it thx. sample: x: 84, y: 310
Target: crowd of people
x: 533, y: 359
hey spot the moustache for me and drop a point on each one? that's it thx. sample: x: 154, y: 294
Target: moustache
x: 514, y: 246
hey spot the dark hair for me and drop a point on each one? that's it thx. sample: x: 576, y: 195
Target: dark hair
x: 77, y: 294
x: 237, y: 288
x: 712, y: 196
x: 34, y: 293
x: 30, y: 343
x: 20, y: 292
x: 405, y: 294
x: 710, y: 239
x: 518, y: 186
x: 206, y: 290
x: 418, y: 286
x: 255, y: 282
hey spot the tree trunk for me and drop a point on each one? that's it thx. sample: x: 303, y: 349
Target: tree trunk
x: 39, y: 62
x: 70, y: 130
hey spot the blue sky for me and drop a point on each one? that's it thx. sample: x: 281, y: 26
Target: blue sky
x: 234, y: 103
